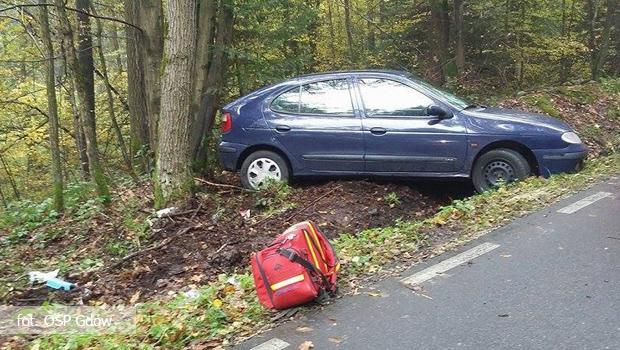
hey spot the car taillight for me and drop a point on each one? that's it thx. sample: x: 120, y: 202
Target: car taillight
x: 226, y: 122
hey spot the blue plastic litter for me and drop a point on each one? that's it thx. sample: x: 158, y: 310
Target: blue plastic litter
x: 57, y: 283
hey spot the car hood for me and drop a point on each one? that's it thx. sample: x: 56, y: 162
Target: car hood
x: 513, y: 115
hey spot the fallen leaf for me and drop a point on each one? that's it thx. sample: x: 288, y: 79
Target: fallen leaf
x: 134, y: 298
x: 375, y: 294
x: 305, y: 345
x: 304, y: 329
x: 336, y: 340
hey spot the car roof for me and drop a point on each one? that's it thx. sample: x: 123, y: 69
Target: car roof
x: 337, y: 73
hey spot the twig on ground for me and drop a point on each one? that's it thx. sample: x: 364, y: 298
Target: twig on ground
x: 164, y: 243
x: 220, y: 248
x: 196, y: 211
x: 219, y: 185
x: 312, y: 203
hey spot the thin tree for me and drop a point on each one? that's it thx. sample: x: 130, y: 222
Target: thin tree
x: 52, y: 108
x: 173, y: 182
x: 215, y: 81
x: 348, y: 26
x: 110, y: 99
x: 605, y: 39
x: 458, y: 37
x: 81, y: 85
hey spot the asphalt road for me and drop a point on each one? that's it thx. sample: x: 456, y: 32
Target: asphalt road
x: 550, y: 280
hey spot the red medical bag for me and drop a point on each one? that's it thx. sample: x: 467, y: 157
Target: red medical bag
x: 296, y: 268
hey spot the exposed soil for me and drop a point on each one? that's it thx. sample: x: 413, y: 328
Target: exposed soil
x: 211, y: 236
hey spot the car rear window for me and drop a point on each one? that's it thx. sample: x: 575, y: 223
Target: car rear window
x: 330, y: 97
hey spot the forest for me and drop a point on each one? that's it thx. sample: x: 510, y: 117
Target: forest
x: 92, y: 91
x: 110, y: 111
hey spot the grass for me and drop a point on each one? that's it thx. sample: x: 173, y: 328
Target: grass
x: 228, y: 308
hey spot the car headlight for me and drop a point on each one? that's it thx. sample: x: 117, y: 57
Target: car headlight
x: 571, y: 137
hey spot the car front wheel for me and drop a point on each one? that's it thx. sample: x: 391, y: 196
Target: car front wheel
x: 261, y: 167
x: 497, y: 167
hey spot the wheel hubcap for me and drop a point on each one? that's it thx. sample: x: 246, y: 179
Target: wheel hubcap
x: 498, y: 172
x: 261, y: 170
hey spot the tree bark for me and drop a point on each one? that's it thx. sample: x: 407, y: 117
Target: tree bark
x: 591, y: 21
x: 440, y: 38
x: 86, y: 116
x: 174, y: 181
x: 110, y: 99
x: 372, y: 43
x: 85, y: 57
x: 215, y: 82
x: 204, y: 43
x: 605, y: 39
x: 458, y: 33
x: 52, y: 108
x: 116, y: 47
x: 80, y: 143
x: 144, y: 55
x: 151, y: 21
x: 349, y: 29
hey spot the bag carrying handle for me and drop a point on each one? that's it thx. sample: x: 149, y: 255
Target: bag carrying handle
x: 295, y: 257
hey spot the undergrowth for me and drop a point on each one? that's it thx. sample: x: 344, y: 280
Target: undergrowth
x: 228, y: 308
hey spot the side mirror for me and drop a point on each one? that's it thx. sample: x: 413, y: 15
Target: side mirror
x: 439, y: 112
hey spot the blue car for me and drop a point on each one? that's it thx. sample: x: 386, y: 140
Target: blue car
x: 387, y: 123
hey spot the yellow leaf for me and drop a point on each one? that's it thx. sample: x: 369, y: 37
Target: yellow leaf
x: 217, y: 303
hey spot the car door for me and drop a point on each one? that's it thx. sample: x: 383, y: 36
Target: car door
x: 318, y: 126
x: 400, y: 137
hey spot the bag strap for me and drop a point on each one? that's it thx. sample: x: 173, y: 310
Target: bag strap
x: 294, y: 257
x: 264, y: 277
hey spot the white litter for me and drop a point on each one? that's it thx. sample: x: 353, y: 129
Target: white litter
x: 166, y: 211
x: 42, y: 277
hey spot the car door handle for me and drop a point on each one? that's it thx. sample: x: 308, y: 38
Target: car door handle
x: 283, y: 128
x: 378, y: 131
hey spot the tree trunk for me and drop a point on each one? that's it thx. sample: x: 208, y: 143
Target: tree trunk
x: 605, y: 39
x: 204, y: 44
x: 116, y: 47
x: 440, y: 39
x: 173, y: 181
x: 215, y: 82
x: 151, y: 21
x: 80, y: 143
x: 85, y: 56
x: 458, y: 33
x: 144, y: 55
x: 591, y: 21
x: 332, y: 32
x: 86, y: 117
x: 110, y: 100
x: 349, y: 29
x: 52, y: 108
x: 372, y: 44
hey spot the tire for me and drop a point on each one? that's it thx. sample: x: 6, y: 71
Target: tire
x: 497, y: 166
x: 262, y: 165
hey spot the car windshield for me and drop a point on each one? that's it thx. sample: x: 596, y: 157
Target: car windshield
x: 447, y: 96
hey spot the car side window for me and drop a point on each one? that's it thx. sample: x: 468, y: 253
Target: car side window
x: 287, y: 102
x: 384, y: 97
x: 331, y: 97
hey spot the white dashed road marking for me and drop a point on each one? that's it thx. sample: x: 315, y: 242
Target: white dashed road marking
x: 272, y: 344
x: 570, y: 209
x: 448, y: 264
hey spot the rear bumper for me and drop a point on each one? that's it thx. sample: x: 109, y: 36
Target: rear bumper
x: 228, y: 154
x: 565, y: 160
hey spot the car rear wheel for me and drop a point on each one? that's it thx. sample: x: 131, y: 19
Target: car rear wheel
x: 261, y: 167
x: 499, y: 166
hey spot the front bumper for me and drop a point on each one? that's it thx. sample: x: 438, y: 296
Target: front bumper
x: 565, y: 160
x: 228, y: 154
